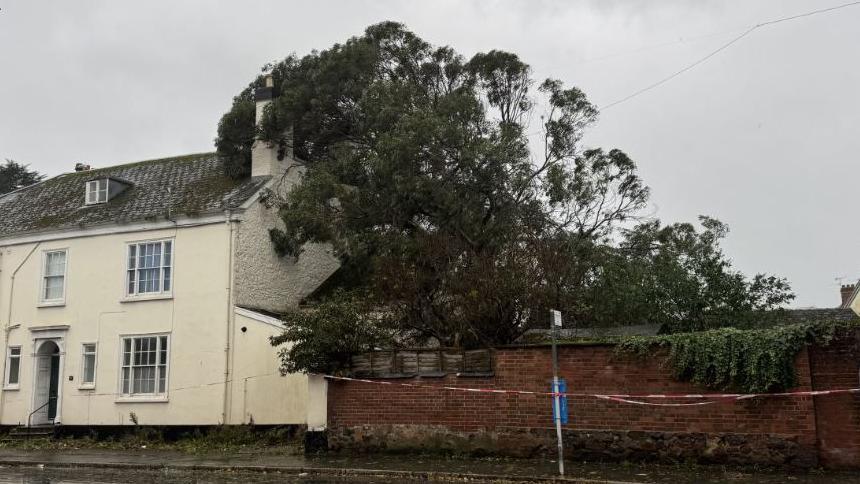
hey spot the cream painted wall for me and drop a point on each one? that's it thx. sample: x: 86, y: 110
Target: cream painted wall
x: 196, y: 317
x: 95, y: 311
x: 259, y: 391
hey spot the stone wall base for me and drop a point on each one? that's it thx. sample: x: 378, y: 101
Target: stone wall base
x: 670, y: 447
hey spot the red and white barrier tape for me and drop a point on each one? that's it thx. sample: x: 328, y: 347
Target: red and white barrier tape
x: 621, y: 398
x: 652, y: 404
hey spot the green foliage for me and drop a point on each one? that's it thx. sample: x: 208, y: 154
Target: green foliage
x: 678, y: 276
x: 234, y: 438
x: 234, y: 140
x: 747, y: 361
x: 421, y: 173
x: 14, y: 175
x: 223, y: 438
x: 322, y: 339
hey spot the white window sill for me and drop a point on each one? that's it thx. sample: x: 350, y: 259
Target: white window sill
x: 87, y: 387
x: 146, y: 297
x: 12, y: 388
x: 51, y: 304
x: 144, y: 399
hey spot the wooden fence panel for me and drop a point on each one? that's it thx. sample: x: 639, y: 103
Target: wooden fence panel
x: 422, y: 361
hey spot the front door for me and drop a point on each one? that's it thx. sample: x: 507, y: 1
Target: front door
x: 53, y: 386
x: 47, y: 383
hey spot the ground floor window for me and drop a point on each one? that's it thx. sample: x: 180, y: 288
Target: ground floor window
x: 88, y: 370
x: 13, y: 363
x: 144, y: 365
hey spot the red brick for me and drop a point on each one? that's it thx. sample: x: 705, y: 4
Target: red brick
x: 833, y: 421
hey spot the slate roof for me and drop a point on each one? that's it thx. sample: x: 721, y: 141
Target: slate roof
x: 541, y: 334
x: 191, y: 185
x: 814, y: 315
x: 767, y: 320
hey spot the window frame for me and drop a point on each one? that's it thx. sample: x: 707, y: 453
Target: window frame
x: 162, y: 294
x: 144, y: 397
x: 9, y: 357
x: 98, y: 191
x: 95, y: 353
x: 61, y: 301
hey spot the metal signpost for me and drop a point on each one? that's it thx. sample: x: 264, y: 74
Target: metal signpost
x: 558, y: 387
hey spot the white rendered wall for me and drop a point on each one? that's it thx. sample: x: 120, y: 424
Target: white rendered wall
x: 267, y: 281
x: 260, y: 392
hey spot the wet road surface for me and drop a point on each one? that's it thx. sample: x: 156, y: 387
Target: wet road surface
x: 30, y: 475
x: 149, y: 466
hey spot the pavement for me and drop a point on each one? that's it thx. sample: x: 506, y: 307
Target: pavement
x: 401, y: 468
x: 388, y: 468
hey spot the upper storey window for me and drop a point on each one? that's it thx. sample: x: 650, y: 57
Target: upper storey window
x: 97, y: 191
x: 149, y: 268
x: 54, y: 277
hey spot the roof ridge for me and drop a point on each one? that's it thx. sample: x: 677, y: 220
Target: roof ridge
x: 186, y: 157
x: 20, y: 189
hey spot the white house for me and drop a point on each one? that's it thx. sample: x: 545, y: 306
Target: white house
x: 144, y: 288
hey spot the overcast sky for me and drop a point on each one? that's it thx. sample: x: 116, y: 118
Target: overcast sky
x: 764, y: 136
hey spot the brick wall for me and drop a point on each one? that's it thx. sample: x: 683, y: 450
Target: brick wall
x: 771, y: 430
x: 838, y: 416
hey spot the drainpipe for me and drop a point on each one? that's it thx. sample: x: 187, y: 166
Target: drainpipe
x: 8, y: 326
x: 225, y: 413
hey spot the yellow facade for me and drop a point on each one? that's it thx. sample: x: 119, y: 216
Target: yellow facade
x: 216, y: 373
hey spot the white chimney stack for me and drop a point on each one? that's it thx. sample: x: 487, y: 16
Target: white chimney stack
x: 264, y: 156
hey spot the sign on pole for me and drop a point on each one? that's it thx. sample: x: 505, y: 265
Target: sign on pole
x: 556, y: 318
x: 561, y: 402
x: 558, y: 411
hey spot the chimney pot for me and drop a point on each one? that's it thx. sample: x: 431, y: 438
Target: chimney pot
x: 265, y: 157
x: 82, y: 167
x: 846, y: 291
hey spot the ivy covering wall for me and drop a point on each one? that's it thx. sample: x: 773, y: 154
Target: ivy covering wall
x: 730, y: 359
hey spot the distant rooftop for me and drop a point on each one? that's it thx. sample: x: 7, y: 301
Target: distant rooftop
x: 775, y: 318
x: 812, y: 315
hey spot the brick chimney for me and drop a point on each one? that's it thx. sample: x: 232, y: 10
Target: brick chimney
x: 846, y: 292
x: 264, y: 156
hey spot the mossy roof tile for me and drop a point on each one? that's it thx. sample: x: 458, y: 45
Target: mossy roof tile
x: 191, y: 185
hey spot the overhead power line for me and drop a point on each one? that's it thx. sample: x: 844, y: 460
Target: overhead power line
x: 668, y: 43
x: 724, y: 47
